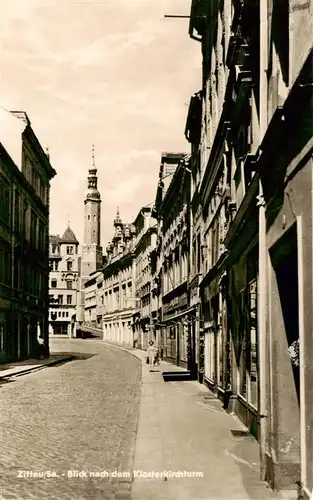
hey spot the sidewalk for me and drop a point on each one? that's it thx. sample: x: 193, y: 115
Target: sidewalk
x: 182, y: 427
x: 8, y: 370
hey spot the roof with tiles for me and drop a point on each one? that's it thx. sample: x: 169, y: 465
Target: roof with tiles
x: 68, y: 237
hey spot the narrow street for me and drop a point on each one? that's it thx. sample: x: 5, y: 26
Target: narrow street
x: 79, y: 416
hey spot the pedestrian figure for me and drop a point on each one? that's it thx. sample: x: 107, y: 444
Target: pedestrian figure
x: 157, y: 358
x: 151, y: 354
x: 40, y: 348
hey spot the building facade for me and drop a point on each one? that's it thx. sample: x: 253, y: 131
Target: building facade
x: 63, y: 283
x: 172, y: 212
x: 119, y: 300
x: 25, y: 174
x: 93, y: 299
x: 145, y: 303
x: 251, y: 138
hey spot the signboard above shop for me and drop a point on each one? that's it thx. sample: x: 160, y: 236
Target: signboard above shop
x: 176, y: 303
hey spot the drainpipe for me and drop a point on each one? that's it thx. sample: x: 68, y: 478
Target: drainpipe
x: 262, y: 331
x: 262, y: 281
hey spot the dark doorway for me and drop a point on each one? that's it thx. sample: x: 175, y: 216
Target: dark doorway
x: 192, y: 367
x: 285, y: 262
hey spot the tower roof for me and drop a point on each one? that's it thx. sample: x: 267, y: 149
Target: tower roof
x: 118, y: 220
x: 69, y: 236
x: 92, y: 192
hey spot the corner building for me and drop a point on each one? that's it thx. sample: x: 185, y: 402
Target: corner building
x: 63, y: 286
x: 25, y: 174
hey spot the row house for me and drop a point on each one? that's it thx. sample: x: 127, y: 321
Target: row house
x: 25, y: 174
x: 119, y: 284
x: 93, y: 293
x: 250, y: 128
x: 63, y: 283
x: 100, y: 300
x: 175, y: 319
x: 145, y: 301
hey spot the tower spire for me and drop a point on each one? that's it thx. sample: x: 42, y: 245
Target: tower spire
x: 117, y: 220
x: 93, y: 157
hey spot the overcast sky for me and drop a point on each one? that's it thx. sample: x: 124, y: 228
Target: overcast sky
x: 113, y: 73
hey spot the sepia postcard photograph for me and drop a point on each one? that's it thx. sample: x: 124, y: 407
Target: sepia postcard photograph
x: 156, y: 250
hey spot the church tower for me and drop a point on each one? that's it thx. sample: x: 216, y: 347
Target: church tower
x: 91, y: 250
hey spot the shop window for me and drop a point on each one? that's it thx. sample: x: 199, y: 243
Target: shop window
x: 247, y: 343
x: 209, y: 348
x: 253, y: 351
x: 242, y: 343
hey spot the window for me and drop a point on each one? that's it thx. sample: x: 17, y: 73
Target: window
x: 198, y: 253
x: 69, y: 284
x: 53, y: 283
x: 69, y: 250
x: 69, y: 300
x: 69, y: 265
x: 40, y: 236
x: 16, y: 272
x: 4, y: 201
x: 54, y: 248
x: 51, y: 265
x: 26, y: 222
x: 56, y: 265
x: 60, y: 299
x: 17, y: 212
x: 33, y: 229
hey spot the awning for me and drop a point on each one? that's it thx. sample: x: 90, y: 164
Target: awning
x: 179, y: 315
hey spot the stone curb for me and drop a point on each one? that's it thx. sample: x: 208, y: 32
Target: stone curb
x: 133, y: 352
x: 37, y: 367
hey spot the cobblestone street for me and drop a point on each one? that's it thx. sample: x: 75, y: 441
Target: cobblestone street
x: 80, y: 416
